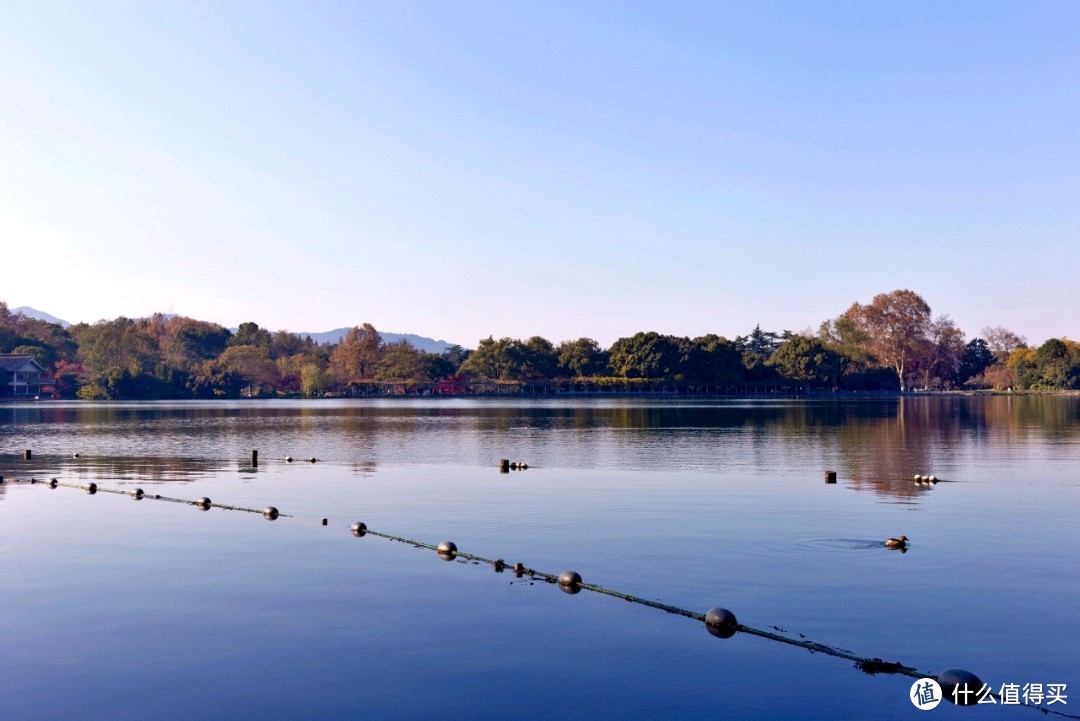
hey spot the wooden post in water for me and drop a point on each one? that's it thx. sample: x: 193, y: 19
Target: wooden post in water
x: 830, y: 476
x: 27, y: 454
x: 254, y: 458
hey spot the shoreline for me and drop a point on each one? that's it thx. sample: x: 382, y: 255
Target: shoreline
x: 583, y: 395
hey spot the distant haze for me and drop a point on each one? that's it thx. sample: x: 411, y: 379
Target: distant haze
x: 428, y: 345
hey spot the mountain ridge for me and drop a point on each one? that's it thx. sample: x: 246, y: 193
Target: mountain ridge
x: 428, y: 345
x: 40, y: 315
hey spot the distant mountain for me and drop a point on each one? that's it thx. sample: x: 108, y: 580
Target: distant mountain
x: 428, y: 345
x: 40, y: 315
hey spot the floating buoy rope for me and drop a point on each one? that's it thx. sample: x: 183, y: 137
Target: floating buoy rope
x: 719, y: 622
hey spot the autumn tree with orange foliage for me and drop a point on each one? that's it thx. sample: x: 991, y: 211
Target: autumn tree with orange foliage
x: 896, y: 325
x: 357, y: 355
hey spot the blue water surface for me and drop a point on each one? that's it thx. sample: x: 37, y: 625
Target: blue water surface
x: 123, y: 609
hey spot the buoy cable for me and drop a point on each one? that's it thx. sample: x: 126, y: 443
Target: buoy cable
x: 569, y: 581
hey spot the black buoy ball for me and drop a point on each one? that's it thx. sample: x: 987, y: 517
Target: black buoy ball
x: 203, y: 504
x: 313, y: 459
x: 721, y: 622
x: 959, y: 686
x: 358, y: 529
x: 288, y: 459
x: 53, y: 483
x: 91, y: 489
x: 74, y: 455
x: 138, y: 494
x: 570, y: 581
x: 447, y: 550
x: 270, y: 513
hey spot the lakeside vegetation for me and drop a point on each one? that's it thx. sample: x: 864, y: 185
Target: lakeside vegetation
x: 893, y: 343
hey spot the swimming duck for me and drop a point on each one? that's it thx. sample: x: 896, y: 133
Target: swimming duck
x: 896, y: 542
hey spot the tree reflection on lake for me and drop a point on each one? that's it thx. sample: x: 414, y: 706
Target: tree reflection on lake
x: 874, y: 444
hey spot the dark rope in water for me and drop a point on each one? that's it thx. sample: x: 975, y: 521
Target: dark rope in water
x: 870, y: 666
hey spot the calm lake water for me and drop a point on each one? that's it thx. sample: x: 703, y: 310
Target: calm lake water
x: 116, y: 609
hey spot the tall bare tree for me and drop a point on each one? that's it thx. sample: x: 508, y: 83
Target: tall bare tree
x: 940, y: 366
x: 1002, y: 341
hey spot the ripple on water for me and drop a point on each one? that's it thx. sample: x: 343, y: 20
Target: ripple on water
x: 823, y: 546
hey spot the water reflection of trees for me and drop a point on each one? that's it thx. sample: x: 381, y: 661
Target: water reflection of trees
x: 882, y: 454
x: 876, y: 444
x: 141, y: 469
x: 881, y: 451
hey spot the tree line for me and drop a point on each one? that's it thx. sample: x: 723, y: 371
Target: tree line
x: 892, y: 343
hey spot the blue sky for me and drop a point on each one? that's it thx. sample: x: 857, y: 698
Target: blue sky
x: 468, y: 169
